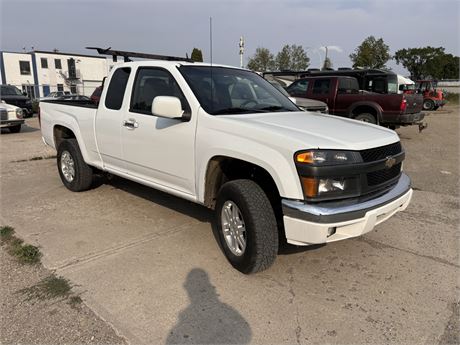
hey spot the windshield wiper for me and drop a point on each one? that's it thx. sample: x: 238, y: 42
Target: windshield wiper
x: 230, y: 111
x: 275, y: 108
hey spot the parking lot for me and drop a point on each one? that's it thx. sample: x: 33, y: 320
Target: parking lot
x: 148, y: 264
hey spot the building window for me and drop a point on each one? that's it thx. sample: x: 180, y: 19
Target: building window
x: 60, y: 87
x: 57, y: 63
x: 73, y: 89
x: 44, y: 62
x: 24, y: 67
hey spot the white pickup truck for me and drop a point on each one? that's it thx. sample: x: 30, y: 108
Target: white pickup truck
x: 225, y: 138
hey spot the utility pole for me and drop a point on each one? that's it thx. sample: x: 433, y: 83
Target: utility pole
x: 325, y: 60
x: 241, y: 51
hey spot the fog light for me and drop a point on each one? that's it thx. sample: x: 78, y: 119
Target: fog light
x: 331, y: 231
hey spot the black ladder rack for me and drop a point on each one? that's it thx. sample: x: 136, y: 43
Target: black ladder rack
x: 128, y: 55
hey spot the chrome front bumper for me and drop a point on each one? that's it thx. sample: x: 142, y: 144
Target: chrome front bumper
x: 332, y: 221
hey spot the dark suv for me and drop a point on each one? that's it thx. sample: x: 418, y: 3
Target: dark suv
x: 12, y: 95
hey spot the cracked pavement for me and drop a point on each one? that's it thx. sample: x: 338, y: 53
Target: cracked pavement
x: 148, y: 264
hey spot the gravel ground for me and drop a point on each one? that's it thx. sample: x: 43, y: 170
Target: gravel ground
x: 48, y: 321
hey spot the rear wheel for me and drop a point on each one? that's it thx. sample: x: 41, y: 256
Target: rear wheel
x: 366, y: 117
x: 75, y: 174
x: 15, y: 129
x: 428, y: 104
x: 246, y: 226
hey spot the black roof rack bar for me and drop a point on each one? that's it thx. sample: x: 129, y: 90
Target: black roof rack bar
x: 128, y: 55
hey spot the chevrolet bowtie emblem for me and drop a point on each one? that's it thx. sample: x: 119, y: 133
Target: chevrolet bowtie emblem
x: 390, y: 162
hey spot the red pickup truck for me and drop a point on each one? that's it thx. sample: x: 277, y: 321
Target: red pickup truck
x: 343, y: 97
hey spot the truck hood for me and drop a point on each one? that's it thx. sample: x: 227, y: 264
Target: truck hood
x: 307, y: 130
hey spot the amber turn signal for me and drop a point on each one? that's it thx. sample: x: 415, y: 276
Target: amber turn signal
x: 305, y: 157
x: 310, y: 186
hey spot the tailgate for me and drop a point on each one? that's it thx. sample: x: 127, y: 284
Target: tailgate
x: 414, y: 103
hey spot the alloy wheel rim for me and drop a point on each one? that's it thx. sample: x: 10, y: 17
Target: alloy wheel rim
x: 233, y: 228
x: 67, y: 166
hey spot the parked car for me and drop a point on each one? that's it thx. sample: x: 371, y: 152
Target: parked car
x: 54, y: 95
x: 305, y: 104
x: 344, y: 98
x: 13, y: 96
x: 96, y: 95
x: 72, y: 97
x: 225, y: 138
x: 11, y: 117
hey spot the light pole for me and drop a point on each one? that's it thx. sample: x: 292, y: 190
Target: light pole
x: 241, y: 51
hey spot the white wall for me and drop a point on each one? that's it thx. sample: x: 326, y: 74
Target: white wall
x: 12, y: 72
x: 90, y: 70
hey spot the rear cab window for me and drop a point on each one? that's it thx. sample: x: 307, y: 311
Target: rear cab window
x: 117, y: 87
x: 348, y: 86
x: 321, y: 86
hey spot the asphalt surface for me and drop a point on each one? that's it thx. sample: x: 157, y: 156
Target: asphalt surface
x: 147, y: 262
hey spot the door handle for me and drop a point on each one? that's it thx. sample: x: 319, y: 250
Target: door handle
x: 131, y: 124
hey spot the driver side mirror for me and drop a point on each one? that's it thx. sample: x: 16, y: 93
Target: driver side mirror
x: 167, y: 106
x: 24, y: 93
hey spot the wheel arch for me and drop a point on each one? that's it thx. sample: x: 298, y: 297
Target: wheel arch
x: 366, y: 107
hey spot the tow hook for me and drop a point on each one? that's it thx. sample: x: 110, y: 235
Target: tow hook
x: 422, y: 126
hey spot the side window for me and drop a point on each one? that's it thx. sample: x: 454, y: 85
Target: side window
x: 117, y: 87
x: 348, y: 85
x: 321, y: 86
x: 298, y: 88
x: 153, y: 82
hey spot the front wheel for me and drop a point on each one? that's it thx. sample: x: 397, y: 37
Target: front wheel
x: 366, y: 117
x: 428, y: 104
x: 246, y: 226
x: 75, y: 174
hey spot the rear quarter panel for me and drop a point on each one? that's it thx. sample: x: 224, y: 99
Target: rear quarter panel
x: 80, y: 120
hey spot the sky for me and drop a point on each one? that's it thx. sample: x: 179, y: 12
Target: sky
x: 175, y: 27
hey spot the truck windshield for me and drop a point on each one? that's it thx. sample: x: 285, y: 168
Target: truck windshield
x: 10, y: 91
x: 222, y: 90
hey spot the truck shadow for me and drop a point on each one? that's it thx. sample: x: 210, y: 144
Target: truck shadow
x: 190, y: 209
x: 207, y: 320
x: 172, y: 202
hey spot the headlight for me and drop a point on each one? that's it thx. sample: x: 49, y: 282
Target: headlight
x: 19, y: 113
x: 318, y: 176
x: 327, y: 157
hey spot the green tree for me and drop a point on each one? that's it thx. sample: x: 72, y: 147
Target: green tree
x: 283, y: 59
x: 262, y: 60
x: 292, y: 58
x: 428, y: 62
x: 197, y: 55
x: 372, y: 53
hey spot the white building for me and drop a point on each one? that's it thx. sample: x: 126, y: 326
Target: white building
x: 40, y: 72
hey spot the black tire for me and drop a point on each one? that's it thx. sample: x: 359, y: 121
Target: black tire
x: 15, y: 129
x: 428, y: 104
x: 366, y: 117
x: 83, y: 173
x: 260, y: 223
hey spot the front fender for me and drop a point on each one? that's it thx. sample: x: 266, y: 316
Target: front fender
x: 278, y: 164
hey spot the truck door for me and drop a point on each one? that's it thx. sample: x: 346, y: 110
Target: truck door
x: 322, y: 91
x: 155, y: 149
x: 109, y: 119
